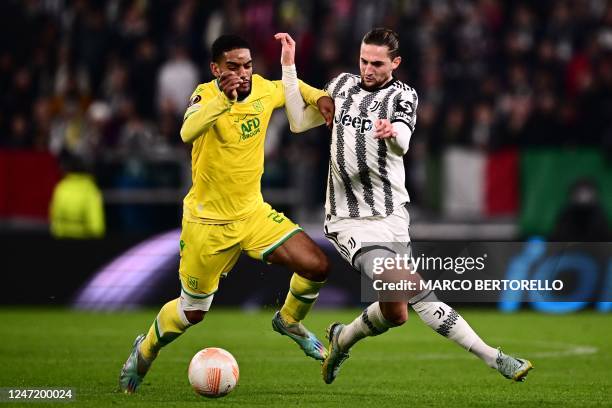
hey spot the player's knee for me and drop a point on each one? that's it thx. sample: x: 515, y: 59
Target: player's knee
x: 399, y: 318
x: 194, y: 309
x: 195, y: 316
x: 318, y: 268
x: 396, y: 316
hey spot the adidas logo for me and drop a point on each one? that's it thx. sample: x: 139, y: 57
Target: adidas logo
x: 342, y: 94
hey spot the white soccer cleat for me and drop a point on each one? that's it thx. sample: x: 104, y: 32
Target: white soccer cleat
x: 512, y: 367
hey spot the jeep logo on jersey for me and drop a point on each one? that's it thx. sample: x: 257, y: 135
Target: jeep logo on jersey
x: 249, y: 128
x: 361, y: 124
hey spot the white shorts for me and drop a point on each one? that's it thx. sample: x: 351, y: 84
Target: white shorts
x: 353, y: 237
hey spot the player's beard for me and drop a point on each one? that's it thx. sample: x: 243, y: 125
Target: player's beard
x: 243, y: 94
x: 375, y: 86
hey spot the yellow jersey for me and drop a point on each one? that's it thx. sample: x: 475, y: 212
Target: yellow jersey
x: 76, y: 209
x: 227, y: 156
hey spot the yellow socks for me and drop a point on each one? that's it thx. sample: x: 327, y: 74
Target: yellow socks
x: 168, y: 325
x: 171, y: 322
x: 302, y: 295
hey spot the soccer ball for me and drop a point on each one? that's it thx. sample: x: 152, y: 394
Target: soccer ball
x: 213, y: 372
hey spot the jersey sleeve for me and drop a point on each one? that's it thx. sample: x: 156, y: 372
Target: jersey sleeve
x: 405, y: 107
x: 310, y: 94
x: 403, y: 118
x: 204, y: 109
x: 278, y: 93
x: 331, y: 86
x: 302, y: 116
x: 195, y: 101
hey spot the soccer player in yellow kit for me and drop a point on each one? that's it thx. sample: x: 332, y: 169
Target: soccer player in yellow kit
x: 224, y: 212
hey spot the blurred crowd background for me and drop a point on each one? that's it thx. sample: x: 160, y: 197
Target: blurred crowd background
x: 505, y: 87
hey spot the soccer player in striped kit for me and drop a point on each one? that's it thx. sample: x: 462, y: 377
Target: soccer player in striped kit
x: 375, y: 117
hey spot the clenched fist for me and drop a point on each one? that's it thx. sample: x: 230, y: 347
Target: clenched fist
x: 229, y: 82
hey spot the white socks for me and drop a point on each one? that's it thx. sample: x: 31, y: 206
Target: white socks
x: 446, y: 321
x: 438, y: 315
x: 485, y: 352
x: 370, y: 323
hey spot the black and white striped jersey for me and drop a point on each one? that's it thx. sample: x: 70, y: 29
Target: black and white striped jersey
x: 366, y: 175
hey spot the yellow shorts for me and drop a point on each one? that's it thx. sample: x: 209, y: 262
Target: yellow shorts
x: 211, y: 251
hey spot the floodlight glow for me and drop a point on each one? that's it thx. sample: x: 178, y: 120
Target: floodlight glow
x: 125, y: 281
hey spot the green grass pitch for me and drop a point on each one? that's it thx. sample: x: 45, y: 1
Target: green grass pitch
x: 408, y: 366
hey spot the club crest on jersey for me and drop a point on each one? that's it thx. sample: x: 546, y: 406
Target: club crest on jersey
x: 192, y: 282
x: 250, y: 128
x: 361, y: 124
x: 374, y: 106
x: 258, y: 106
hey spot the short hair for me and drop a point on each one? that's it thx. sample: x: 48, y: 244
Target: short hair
x: 226, y: 43
x: 383, y: 37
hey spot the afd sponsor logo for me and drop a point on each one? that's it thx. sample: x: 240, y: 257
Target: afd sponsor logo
x: 361, y: 124
x: 250, y: 128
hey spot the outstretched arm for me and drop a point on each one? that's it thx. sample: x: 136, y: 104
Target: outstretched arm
x: 397, y: 133
x: 201, y: 115
x: 399, y: 128
x: 300, y: 98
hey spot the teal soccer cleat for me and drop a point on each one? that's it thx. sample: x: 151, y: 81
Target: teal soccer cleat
x: 307, y: 341
x: 134, y: 369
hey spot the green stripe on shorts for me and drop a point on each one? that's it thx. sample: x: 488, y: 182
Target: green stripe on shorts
x: 278, y: 243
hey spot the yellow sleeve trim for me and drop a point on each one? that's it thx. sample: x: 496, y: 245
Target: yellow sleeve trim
x: 197, y: 121
x: 310, y: 94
